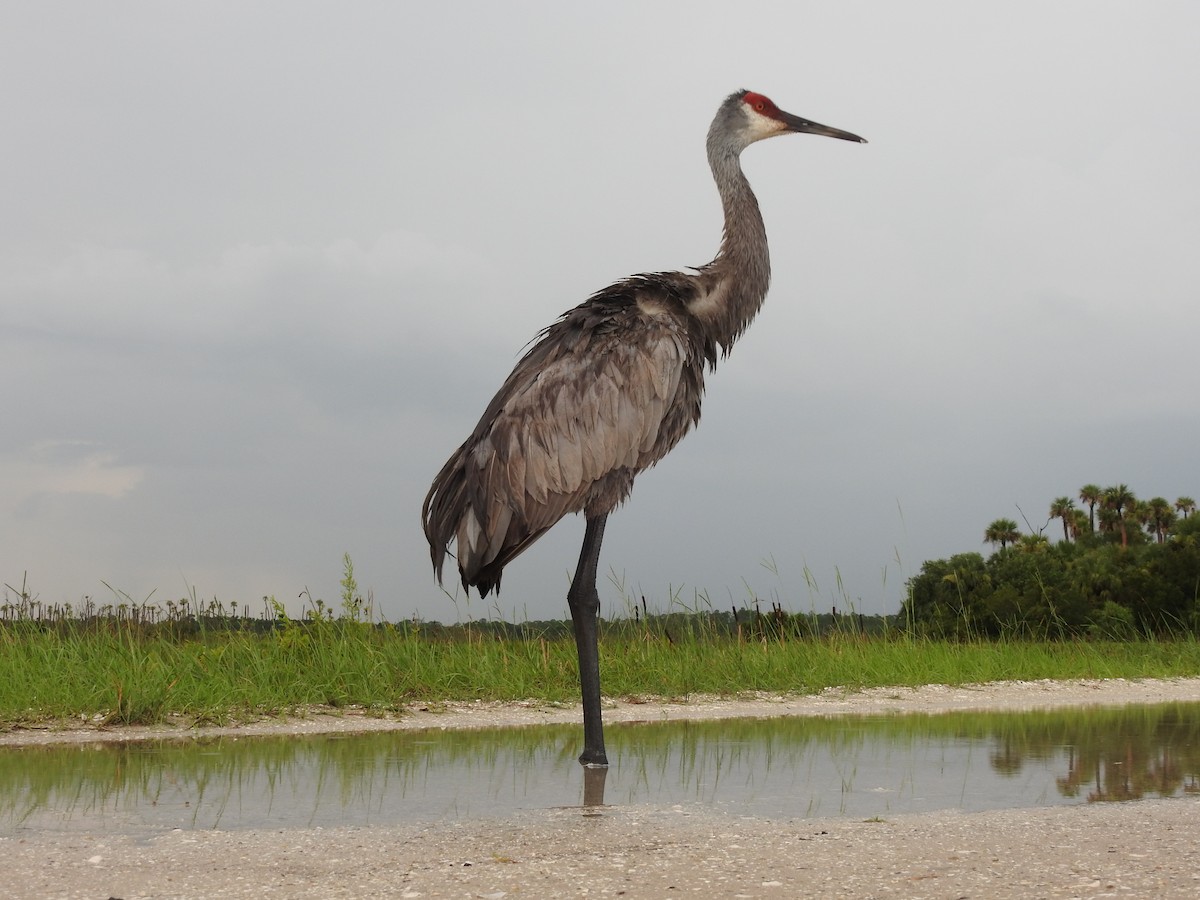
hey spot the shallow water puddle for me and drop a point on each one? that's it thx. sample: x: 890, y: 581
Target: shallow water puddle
x: 853, y: 766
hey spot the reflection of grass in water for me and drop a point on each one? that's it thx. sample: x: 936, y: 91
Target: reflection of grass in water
x: 1106, y: 753
x: 354, y: 771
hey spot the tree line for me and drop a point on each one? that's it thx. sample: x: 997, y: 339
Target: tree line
x: 1123, y: 567
x: 1116, y: 510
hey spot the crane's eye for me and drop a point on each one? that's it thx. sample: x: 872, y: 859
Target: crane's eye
x: 759, y: 103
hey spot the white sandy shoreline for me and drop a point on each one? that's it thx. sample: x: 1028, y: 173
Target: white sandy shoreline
x: 998, y: 696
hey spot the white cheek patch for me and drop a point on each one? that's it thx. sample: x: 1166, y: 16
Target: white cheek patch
x: 763, y: 126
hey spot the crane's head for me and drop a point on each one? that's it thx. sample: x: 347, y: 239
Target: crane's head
x: 746, y: 117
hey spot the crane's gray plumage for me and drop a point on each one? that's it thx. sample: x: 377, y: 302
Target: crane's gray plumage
x: 604, y: 393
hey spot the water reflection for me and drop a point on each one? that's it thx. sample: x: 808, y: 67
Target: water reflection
x: 851, y: 766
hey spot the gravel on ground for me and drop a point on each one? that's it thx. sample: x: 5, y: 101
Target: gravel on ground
x: 1147, y: 848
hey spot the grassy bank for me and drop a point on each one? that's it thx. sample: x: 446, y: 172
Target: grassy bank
x: 126, y: 672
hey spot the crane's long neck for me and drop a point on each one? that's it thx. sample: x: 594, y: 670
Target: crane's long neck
x: 733, y: 286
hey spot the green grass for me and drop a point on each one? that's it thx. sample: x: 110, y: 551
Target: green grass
x: 118, y: 671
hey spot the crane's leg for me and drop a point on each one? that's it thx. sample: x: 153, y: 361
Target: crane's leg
x: 584, y: 601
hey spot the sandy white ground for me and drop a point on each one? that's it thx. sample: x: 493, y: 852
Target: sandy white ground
x: 1142, y: 849
x: 1005, y: 695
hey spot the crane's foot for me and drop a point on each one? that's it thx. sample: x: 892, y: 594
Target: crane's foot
x: 593, y: 759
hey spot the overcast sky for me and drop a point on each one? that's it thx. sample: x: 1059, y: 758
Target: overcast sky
x: 262, y: 266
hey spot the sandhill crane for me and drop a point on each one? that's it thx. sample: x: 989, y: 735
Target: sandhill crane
x: 605, y: 392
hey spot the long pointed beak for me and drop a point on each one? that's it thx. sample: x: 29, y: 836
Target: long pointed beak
x: 804, y: 126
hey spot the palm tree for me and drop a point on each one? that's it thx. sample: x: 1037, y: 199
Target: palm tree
x: 1033, y: 543
x: 1091, y: 494
x: 1137, y: 513
x: 1079, y: 522
x: 1120, y: 499
x: 1160, y: 517
x: 1063, y: 508
x: 1002, y: 532
x: 1186, y: 506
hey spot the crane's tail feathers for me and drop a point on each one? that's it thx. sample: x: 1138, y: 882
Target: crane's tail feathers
x: 485, y: 540
x: 438, y: 513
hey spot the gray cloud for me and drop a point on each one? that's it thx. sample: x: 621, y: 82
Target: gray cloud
x: 262, y: 267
